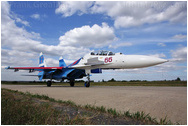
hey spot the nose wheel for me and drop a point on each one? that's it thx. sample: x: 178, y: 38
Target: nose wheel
x: 87, y: 83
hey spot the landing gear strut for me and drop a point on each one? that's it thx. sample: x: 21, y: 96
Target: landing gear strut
x: 87, y: 83
x: 49, y: 83
x: 72, y: 83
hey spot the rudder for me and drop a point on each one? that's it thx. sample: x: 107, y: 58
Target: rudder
x: 42, y: 62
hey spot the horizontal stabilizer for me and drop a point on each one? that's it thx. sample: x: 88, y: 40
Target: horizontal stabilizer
x: 28, y: 75
x: 40, y: 75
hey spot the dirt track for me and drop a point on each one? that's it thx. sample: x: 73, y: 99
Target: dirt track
x: 158, y: 101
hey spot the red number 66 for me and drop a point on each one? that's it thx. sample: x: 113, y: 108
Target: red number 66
x: 108, y: 59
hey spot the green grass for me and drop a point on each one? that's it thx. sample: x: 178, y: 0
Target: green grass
x: 142, y: 83
x: 21, y: 110
x: 116, y: 83
x: 17, y: 108
x: 113, y: 112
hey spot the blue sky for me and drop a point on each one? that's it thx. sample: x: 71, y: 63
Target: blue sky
x: 73, y: 29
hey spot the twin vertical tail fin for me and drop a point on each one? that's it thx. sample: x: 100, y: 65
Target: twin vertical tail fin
x: 42, y: 62
x: 62, y: 62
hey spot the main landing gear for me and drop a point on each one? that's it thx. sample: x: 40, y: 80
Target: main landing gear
x: 49, y: 83
x: 72, y: 83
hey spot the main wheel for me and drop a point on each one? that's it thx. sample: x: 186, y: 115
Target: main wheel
x: 72, y: 83
x: 49, y: 83
x: 87, y: 84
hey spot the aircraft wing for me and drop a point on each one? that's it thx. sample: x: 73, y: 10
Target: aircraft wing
x: 94, y: 61
x: 90, y: 63
x: 31, y: 69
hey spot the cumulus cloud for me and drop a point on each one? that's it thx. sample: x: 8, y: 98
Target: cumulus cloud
x: 6, y: 16
x: 129, y: 14
x: 68, y: 8
x: 95, y: 36
x: 20, y: 46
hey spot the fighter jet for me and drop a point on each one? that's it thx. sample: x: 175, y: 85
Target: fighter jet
x: 93, y: 62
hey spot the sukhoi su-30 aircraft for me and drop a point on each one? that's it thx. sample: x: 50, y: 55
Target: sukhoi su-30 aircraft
x: 93, y: 62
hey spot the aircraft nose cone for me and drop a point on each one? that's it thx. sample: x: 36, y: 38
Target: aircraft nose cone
x: 150, y: 61
x: 139, y: 61
x: 155, y: 60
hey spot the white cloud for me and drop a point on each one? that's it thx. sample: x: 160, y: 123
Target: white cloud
x: 39, y: 17
x: 179, y: 36
x: 86, y: 36
x: 6, y: 16
x: 5, y: 8
x: 21, y: 21
x: 51, y: 62
x: 179, y: 55
x: 159, y: 55
x: 161, y: 44
x: 126, y: 21
x: 35, y: 16
x: 19, y: 46
x: 68, y: 8
x: 6, y: 52
x: 55, y: 62
x: 123, y: 44
x: 151, y: 13
x: 16, y: 58
x: 169, y: 67
x: 128, y: 14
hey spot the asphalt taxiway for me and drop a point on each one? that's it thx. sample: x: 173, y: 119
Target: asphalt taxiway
x: 158, y: 101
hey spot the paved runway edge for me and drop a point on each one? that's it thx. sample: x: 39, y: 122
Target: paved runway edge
x: 158, y: 101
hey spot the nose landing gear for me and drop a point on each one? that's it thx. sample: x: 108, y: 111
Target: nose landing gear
x: 87, y: 83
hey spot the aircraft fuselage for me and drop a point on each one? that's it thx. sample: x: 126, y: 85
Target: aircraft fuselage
x: 120, y: 61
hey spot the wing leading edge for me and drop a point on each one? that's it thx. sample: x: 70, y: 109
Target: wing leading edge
x: 35, y: 68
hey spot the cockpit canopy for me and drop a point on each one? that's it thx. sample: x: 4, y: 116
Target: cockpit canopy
x: 103, y: 53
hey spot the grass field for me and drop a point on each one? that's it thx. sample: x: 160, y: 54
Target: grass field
x: 115, y: 83
x: 18, y: 108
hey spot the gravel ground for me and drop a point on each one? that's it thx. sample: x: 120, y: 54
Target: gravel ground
x: 158, y: 101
